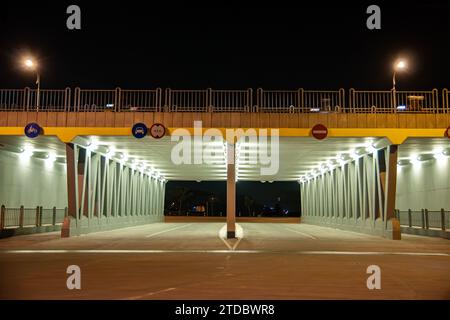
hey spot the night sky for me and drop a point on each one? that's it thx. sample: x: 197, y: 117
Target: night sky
x: 138, y: 44
x: 188, y: 45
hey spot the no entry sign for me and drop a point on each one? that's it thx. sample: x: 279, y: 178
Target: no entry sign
x: 319, y: 131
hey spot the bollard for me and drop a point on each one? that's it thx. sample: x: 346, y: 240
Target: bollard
x: 443, y: 226
x: 40, y: 215
x: 2, y: 217
x: 21, y: 214
x: 54, y: 216
x: 427, y: 221
x: 409, y: 218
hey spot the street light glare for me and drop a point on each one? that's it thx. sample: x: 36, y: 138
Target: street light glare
x: 29, y: 63
x: 400, y: 65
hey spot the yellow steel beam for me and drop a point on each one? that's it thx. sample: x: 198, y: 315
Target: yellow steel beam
x: 395, y: 135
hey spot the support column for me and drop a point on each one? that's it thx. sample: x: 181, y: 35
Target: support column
x: 390, y: 192
x: 231, y: 191
x: 72, y: 195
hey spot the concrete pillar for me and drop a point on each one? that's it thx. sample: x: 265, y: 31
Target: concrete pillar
x: 231, y: 191
x: 390, y: 191
x: 71, y: 183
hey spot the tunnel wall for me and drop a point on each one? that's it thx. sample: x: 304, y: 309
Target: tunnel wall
x: 424, y: 185
x: 31, y: 182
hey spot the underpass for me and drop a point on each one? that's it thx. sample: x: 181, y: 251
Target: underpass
x: 376, y: 175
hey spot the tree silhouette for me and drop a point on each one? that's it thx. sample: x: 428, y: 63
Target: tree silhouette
x: 181, y: 195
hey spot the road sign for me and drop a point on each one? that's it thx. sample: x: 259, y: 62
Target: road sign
x: 32, y: 130
x: 157, y: 130
x: 139, y: 130
x: 319, y: 131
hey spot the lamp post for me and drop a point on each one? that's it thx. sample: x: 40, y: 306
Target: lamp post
x: 400, y: 65
x: 31, y: 65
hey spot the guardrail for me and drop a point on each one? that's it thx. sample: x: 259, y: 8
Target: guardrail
x: 394, y: 101
x: 30, y: 217
x: 424, y: 219
x: 211, y: 100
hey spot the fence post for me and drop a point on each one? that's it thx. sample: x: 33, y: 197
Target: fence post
x: 21, y: 213
x: 409, y: 218
x: 443, y: 226
x: 158, y: 100
x: 54, y: 216
x: 37, y: 216
x: 2, y: 217
x: 427, y: 224
x: 117, y: 99
x: 423, y: 219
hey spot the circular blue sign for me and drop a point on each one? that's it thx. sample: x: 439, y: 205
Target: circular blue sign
x: 32, y: 130
x: 139, y: 130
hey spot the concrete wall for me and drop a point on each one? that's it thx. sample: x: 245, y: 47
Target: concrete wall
x: 31, y: 182
x: 424, y: 185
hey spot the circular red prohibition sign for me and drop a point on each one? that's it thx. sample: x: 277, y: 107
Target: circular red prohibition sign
x: 319, y: 131
x: 157, y: 130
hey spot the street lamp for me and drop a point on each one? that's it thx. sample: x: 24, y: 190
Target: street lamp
x: 30, y: 64
x: 400, y: 65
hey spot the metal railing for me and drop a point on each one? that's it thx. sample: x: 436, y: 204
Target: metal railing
x: 230, y: 100
x: 212, y: 100
x: 424, y: 219
x: 394, y: 101
x: 187, y: 100
x: 30, y: 217
x: 445, y: 99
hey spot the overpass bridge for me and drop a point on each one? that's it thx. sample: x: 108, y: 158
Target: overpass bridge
x: 383, y: 151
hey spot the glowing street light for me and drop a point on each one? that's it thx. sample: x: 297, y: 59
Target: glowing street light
x: 31, y: 65
x: 400, y: 65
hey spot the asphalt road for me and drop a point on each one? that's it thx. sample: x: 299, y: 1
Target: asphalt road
x: 191, y: 261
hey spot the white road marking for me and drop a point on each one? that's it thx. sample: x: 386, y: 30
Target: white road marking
x: 236, y: 244
x: 168, y: 230
x: 239, y: 236
x: 145, y: 251
x: 226, y: 243
x: 302, y: 233
x: 149, y: 294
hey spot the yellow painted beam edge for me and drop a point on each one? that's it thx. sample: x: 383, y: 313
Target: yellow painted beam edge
x: 395, y: 135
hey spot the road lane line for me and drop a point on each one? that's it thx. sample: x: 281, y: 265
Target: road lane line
x: 150, y: 251
x: 302, y: 233
x: 168, y: 230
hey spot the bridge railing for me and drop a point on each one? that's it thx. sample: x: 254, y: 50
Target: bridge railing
x: 304, y: 101
x: 186, y: 100
x: 212, y: 100
x: 13, y: 99
x: 230, y: 100
x: 140, y: 100
x: 390, y: 101
x: 31, y: 100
